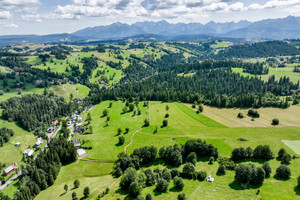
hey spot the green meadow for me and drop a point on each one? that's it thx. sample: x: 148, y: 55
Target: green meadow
x: 183, y: 124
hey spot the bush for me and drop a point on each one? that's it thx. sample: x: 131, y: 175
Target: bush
x: 149, y: 197
x: 128, y: 177
x: 253, y: 113
x: 162, y: 185
x: 105, y: 112
x: 240, y: 115
x: 134, y: 190
x: 211, y: 160
x: 86, y: 192
x: 221, y: 170
x: 286, y: 158
x: 146, y: 123
x: 165, y: 122
x: 228, y: 163
x: 192, y: 158
x: 267, y: 168
x: 281, y: 153
x: 201, y: 176
x: 174, y: 173
x: 167, y: 115
x: 121, y: 140
x: 298, y: 180
x: 275, y: 122
x: 283, y: 172
x: 178, y: 183
x: 188, y: 170
x: 140, y: 197
x: 181, y: 196
x: 200, y: 108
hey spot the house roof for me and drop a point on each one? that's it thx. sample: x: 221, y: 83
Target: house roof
x: 8, y: 169
x: 81, y: 152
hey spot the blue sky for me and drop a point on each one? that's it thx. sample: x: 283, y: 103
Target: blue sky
x: 60, y: 16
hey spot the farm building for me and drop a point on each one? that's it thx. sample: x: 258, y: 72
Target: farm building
x: 81, y: 152
x: 39, y: 141
x: 8, y: 170
x: 89, y: 107
x: 18, y: 144
x: 51, y: 129
x: 76, y: 143
x: 28, y: 152
x: 210, y: 179
x: 55, y: 123
x: 77, y: 129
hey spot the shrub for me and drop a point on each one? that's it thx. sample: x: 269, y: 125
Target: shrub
x: 128, y: 177
x: 165, y: 122
x: 105, y: 112
x: 86, y: 192
x: 240, y: 115
x: 275, y: 122
x: 228, y: 163
x: 263, y: 152
x: 283, y: 172
x: 178, y: 183
x: 134, y: 189
x: 167, y: 115
x: 181, y: 196
x: 211, y: 160
x: 174, y: 173
x: 200, y: 108
x: 253, y: 113
x: 281, y: 153
x: 221, y: 170
x: 286, y: 158
x: 162, y: 185
x: 298, y: 180
x: 140, y: 197
x: 149, y: 197
x: 188, y: 170
x: 146, y: 123
x: 201, y: 176
x: 150, y: 177
x: 192, y: 158
x: 121, y: 140
x: 267, y: 168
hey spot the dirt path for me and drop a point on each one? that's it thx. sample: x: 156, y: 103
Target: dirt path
x: 125, y: 148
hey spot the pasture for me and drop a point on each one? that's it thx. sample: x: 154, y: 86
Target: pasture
x: 183, y: 124
x: 228, y: 116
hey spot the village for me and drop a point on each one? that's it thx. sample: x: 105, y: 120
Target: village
x: 74, y: 124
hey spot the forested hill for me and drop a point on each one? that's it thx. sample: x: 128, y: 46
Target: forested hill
x: 261, y: 49
x: 215, y: 87
x: 34, y: 112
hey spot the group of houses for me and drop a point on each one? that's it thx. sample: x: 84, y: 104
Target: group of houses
x: 52, y: 128
x: 79, y: 100
x: 10, y: 169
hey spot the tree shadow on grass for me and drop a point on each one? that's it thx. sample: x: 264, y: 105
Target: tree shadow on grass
x: 62, y: 194
x: 297, y: 190
x: 202, y: 159
x: 234, y: 185
x: 260, y: 161
x: 118, y: 145
x: 173, y: 189
x: 280, y: 179
x: 121, y: 192
x: 157, y: 193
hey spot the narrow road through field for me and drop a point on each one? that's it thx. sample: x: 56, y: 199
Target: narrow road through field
x: 125, y: 148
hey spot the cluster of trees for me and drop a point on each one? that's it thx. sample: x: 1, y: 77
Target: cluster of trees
x: 35, y: 111
x: 260, y: 49
x: 172, y: 155
x: 255, y: 68
x: 5, y: 135
x: 134, y: 182
x: 219, y: 88
x: 41, y: 173
x: 260, y: 152
x: 249, y: 173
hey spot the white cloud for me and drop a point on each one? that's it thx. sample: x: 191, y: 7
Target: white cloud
x: 7, y: 4
x: 8, y: 25
x: 32, y: 18
x: 5, y: 15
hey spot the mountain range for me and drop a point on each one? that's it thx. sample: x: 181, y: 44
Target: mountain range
x: 269, y: 29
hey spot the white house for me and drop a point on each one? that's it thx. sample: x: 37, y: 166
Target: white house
x: 39, y: 141
x: 210, y: 179
x: 18, y: 144
x: 81, y: 152
x: 28, y: 152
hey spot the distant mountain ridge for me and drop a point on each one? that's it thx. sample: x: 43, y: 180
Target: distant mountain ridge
x: 270, y: 29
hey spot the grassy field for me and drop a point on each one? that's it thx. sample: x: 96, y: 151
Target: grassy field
x: 277, y: 72
x: 10, y: 153
x: 293, y: 144
x: 59, y: 66
x: 228, y: 117
x: 184, y: 124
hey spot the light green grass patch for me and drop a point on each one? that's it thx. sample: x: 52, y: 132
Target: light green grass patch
x: 199, y: 117
x: 293, y: 144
